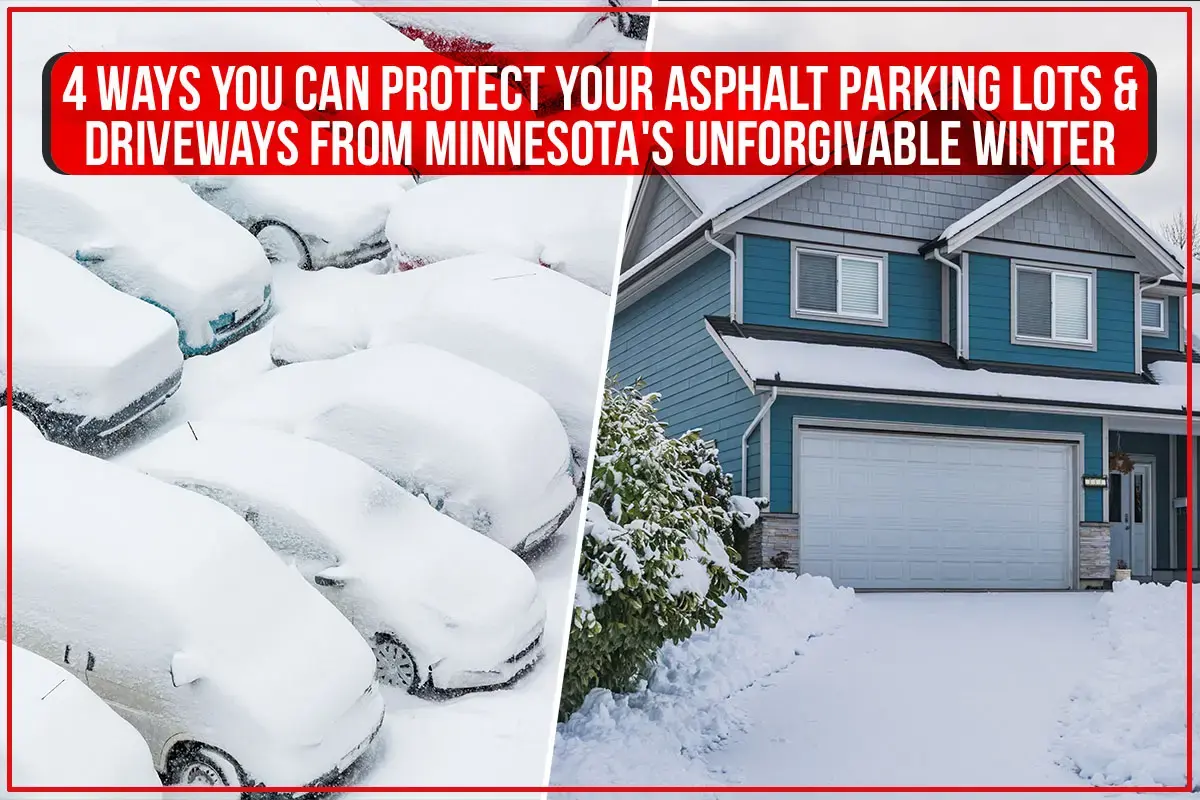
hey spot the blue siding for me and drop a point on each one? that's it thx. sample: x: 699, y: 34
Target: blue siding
x: 914, y: 293
x: 990, y: 320
x: 1171, y: 341
x: 1157, y: 445
x: 662, y: 339
x: 786, y: 408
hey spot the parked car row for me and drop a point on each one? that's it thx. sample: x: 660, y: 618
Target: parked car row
x: 236, y: 583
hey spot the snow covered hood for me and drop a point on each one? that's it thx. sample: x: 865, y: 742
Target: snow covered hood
x: 67, y: 736
x: 767, y: 362
x: 569, y: 223
x: 60, y: 357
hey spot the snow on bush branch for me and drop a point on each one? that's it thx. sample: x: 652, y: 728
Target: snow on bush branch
x: 657, y: 559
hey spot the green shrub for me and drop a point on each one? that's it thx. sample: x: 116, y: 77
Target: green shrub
x: 657, y: 558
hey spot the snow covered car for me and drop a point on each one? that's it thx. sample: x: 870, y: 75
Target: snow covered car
x: 442, y: 606
x: 64, y: 735
x: 173, y: 610
x: 600, y: 27
x: 316, y: 221
x: 541, y: 329
x: 570, y: 224
x: 87, y: 359
x: 481, y: 448
x: 152, y: 238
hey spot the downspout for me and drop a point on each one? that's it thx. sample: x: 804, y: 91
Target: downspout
x: 958, y: 302
x: 762, y: 412
x: 733, y: 315
x: 1138, y: 311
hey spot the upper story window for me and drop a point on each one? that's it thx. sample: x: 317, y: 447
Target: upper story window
x: 1055, y: 307
x: 844, y: 286
x: 1154, y: 316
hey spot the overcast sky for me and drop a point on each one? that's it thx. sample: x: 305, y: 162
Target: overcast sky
x: 1154, y: 195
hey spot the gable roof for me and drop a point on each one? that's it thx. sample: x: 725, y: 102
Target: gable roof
x: 1124, y: 223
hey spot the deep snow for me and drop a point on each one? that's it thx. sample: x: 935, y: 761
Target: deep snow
x: 909, y: 689
x: 1126, y: 725
x: 475, y: 739
x: 569, y: 223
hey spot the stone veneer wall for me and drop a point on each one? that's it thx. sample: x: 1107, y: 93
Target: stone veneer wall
x: 771, y: 535
x: 1094, y: 552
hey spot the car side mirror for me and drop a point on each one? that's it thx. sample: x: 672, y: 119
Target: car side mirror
x: 332, y: 576
x: 185, y: 669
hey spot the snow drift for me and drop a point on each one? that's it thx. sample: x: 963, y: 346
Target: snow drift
x: 684, y: 708
x: 1126, y: 724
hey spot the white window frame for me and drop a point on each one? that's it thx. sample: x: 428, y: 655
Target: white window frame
x: 881, y: 270
x: 1054, y: 340
x: 1162, y: 303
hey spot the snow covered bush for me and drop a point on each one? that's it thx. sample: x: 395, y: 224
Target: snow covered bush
x: 657, y: 559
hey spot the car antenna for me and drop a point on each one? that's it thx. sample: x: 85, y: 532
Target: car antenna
x: 193, y: 430
x: 60, y: 683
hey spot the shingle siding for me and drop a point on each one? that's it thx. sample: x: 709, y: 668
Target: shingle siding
x: 662, y: 339
x: 990, y: 327
x: 912, y: 206
x: 914, y: 292
x: 786, y: 408
x: 667, y: 215
x: 1057, y: 220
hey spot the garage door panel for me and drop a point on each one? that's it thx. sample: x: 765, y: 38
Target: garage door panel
x: 889, y: 511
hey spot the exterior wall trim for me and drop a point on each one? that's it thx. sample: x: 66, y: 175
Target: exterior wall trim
x: 737, y: 365
x: 800, y: 423
x: 956, y: 402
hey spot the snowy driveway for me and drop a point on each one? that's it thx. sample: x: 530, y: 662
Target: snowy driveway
x: 922, y: 689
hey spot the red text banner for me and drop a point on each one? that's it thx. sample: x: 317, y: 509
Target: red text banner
x: 587, y: 113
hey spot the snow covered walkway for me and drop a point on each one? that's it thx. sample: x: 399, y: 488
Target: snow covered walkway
x: 920, y: 689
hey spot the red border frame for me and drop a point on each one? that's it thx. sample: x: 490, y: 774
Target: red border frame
x: 697, y: 9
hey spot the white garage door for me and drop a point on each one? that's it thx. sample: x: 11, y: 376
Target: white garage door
x: 885, y: 511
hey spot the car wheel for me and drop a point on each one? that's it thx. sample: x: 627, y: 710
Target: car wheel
x: 281, y: 242
x: 394, y: 663
x: 200, y: 766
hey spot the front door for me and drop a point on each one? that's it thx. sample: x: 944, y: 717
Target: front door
x: 1131, y: 512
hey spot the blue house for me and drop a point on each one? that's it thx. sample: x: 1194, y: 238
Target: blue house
x: 969, y: 382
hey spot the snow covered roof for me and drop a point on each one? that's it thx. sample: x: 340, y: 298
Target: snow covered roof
x: 866, y: 369
x: 713, y: 194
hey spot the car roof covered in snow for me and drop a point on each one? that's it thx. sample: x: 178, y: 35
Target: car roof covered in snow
x: 569, y: 223
x: 420, y: 415
x: 149, y: 235
x: 522, y: 320
x: 58, y: 355
x: 68, y: 736
x: 331, y: 490
x: 375, y: 527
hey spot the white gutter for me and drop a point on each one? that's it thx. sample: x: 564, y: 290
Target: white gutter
x: 733, y: 315
x: 958, y: 301
x: 762, y: 412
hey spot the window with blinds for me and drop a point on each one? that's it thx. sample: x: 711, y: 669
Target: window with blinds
x: 829, y: 284
x: 1154, y: 316
x: 1054, y: 305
